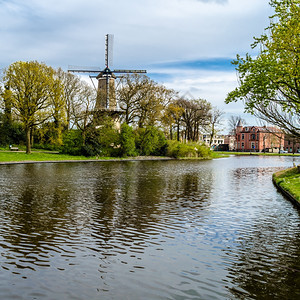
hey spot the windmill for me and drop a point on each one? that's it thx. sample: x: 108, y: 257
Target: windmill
x: 106, y: 100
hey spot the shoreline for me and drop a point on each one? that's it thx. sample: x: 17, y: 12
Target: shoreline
x: 138, y: 158
x: 282, y: 190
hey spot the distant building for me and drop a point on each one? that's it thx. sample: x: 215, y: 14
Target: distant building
x: 292, y: 145
x: 230, y: 140
x: 216, y: 140
x: 258, y: 139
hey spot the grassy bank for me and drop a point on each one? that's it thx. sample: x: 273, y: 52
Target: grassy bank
x: 289, y: 180
x: 37, y: 156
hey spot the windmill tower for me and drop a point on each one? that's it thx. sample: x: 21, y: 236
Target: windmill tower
x: 106, y: 97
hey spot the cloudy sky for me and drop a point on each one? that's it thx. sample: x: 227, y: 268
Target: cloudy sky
x: 186, y: 45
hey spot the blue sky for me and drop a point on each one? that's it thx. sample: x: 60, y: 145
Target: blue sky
x: 184, y: 44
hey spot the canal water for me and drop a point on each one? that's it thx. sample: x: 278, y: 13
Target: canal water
x: 148, y: 230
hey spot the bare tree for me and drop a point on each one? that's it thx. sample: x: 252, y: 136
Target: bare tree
x: 196, y: 114
x: 83, y: 107
x: 71, y: 89
x: 215, y: 120
x: 233, y: 122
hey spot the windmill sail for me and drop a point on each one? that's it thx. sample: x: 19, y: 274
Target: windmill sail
x: 106, y: 98
x: 109, y: 44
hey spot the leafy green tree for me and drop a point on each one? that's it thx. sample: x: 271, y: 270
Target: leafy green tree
x: 151, y: 141
x: 172, y: 117
x: 127, y: 141
x: 32, y: 86
x: 270, y: 82
x: 72, y: 142
x: 103, y: 139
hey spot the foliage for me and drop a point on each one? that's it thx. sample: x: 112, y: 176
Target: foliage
x: 151, y: 141
x: 11, y: 134
x: 102, y: 140
x: 196, y: 114
x: 33, y: 92
x: 127, y: 141
x: 172, y: 117
x: 270, y: 83
x: 142, y: 100
x: 48, y: 134
x: 179, y: 150
x: 72, y: 142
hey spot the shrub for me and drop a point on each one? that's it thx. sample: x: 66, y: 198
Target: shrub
x: 177, y: 149
x: 127, y: 141
x: 151, y: 141
x: 72, y: 142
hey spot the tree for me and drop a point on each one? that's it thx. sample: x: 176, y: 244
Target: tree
x: 142, y: 100
x: 233, y: 122
x: 270, y: 83
x: 127, y: 141
x: 82, y: 107
x: 215, y: 119
x: 71, y: 88
x: 32, y: 86
x: 172, y: 117
x: 196, y: 114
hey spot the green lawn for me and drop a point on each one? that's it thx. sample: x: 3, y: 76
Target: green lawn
x: 289, y: 180
x: 6, y: 156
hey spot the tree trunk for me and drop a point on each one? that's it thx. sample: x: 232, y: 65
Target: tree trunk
x: 31, y: 136
x: 28, y: 140
x: 171, y: 133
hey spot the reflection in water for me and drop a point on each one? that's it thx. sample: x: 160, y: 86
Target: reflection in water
x: 147, y: 230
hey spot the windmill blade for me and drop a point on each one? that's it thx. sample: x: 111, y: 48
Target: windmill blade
x: 109, y: 44
x: 129, y: 71
x: 81, y: 69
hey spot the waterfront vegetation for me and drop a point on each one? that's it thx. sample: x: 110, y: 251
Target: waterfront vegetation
x: 289, y: 180
x: 173, y: 149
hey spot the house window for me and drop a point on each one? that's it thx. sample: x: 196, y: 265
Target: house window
x: 243, y: 136
x: 252, y: 145
x: 243, y: 145
x: 253, y: 136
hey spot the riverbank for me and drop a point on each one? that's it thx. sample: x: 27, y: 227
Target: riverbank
x: 11, y: 157
x: 257, y: 153
x: 48, y: 157
x: 288, y: 182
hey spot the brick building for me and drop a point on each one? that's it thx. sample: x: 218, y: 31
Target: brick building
x: 258, y: 139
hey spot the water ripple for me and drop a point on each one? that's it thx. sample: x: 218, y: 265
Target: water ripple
x: 147, y: 230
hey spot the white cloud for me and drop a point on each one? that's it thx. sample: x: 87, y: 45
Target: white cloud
x: 72, y: 32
